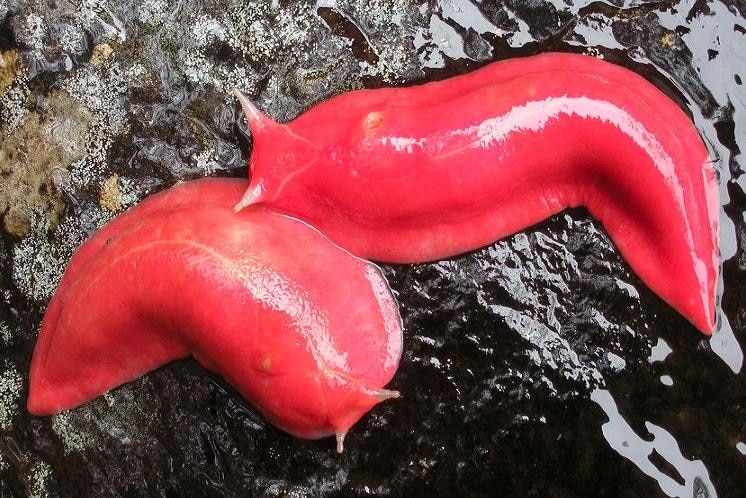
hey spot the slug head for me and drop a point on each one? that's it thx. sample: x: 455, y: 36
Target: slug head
x: 278, y: 155
x: 347, y: 141
x: 318, y: 403
x: 317, y: 374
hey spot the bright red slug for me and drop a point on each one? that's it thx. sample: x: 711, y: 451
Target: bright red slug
x: 301, y: 328
x: 428, y: 172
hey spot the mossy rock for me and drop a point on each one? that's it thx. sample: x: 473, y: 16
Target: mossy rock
x: 33, y: 154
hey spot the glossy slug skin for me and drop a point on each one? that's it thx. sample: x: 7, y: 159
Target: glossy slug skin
x: 301, y: 328
x: 210, y: 192
x: 428, y: 172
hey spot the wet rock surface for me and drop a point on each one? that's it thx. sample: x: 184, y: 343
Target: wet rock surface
x: 538, y: 366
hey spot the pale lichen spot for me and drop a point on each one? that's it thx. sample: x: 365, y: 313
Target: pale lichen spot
x: 39, y: 258
x: 207, y: 162
x: 11, y: 385
x: 34, y: 31
x: 153, y: 12
x: 9, y: 62
x: 101, y: 53
x: 111, y: 194
x: 99, y: 90
x: 72, y: 437
x: 667, y: 40
x: 594, y: 52
x: 5, y: 334
x: 38, y: 480
x: 120, y: 414
x: 14, y: 99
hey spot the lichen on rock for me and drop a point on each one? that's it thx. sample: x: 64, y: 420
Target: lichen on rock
x: 111, y: 194
x: 9, y: 62
x: 6, y: 335
x: 100, y: 53
x: 505, y: 342
x: 119, y: 414
x: 33, y: 154
x: 39, y: 259
x: 38, y: 479
x: 14, y: 104
x: 101, y: 91
x: 11, y: 385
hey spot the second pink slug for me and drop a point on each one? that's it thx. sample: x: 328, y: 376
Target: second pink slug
x: 304, y: 330
x: 428, y: 172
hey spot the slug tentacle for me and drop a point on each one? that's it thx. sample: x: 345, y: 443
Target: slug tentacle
x: 340, y: 436
x: 256, y: 119
x: 252, y: 195
x: 384, y: 394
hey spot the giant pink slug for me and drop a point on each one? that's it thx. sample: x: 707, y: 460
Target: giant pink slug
x: 431, y: 171
x: 301, y: 328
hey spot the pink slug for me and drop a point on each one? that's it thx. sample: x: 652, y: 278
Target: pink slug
x: 301, y: 328
x: 428, y: 172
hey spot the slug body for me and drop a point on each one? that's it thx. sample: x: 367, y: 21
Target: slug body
x: 301, y: 328
x: 428, y: 172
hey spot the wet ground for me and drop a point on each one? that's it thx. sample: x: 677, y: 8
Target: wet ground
x: 539, y: 366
